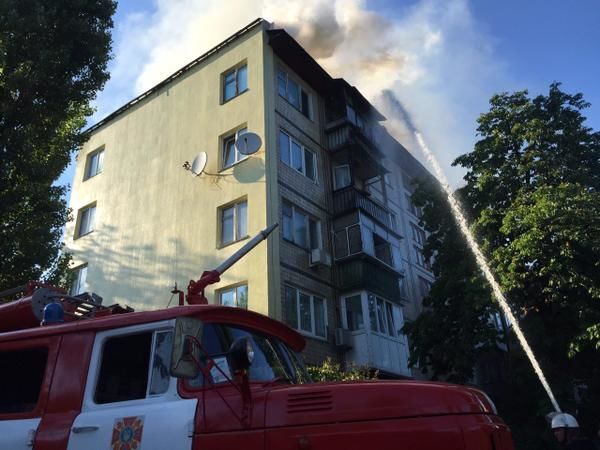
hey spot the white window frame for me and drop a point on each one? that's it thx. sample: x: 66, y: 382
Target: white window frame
x: 238, y: 157
x: 344, y: 310
x: 386, y: 304
x: 92, y: 169
x: 80, y: 280
x: 296, y: 211
x: 335, y: 178
x: 236, y: 72
x: 233, y: 288
x: 284, y: 75
x: 236, y: 205
x: 84, y: 218
x: 305, y: 151
x: 418, y: 234
x: 297, y: 325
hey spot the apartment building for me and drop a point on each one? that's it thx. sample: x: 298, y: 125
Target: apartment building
x: 344, y: 267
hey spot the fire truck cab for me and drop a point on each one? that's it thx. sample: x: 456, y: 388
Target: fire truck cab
x: 213, y: 377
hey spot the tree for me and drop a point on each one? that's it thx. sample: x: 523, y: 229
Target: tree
x: 459, y: 306
x: 53, y: 60
x: 532, y: 194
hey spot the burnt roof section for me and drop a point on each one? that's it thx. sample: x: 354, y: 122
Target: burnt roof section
x: 176, y: 74
x: 287, y: 49
x: 360, y: 101
x: 300, y: 61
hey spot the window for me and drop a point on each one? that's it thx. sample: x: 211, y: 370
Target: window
x: 94, y: 163
x: 293, y: 92
x: 300, y: 228
x: 348, y: 241
x: 305, y: 312
x: 341, y: 177
x: 385, y: 317
x: 231, y: 155
x: 235, y: 82
x: 125, y: 364
x: 296, y: 156
x: 383, y: 249
x: 420, y: 258
x: 272, y: 359
x: 418, y: 234
x: 86, y: 220
x: 424, y: 287
x: 235, y: 296
x: 234, y: 222
x: 21, y: 379
x: 410, y: 206
x: 354, y: 314
x: 79, y: 280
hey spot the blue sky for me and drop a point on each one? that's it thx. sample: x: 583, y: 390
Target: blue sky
x: 448, y: 56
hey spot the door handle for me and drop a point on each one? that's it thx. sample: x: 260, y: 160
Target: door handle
x: 85, y: 429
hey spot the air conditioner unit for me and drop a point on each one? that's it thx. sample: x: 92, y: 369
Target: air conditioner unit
x: 319, y: 256
x: 343, y: 338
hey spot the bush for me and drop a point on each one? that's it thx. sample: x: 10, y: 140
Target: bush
x: 332, y: 371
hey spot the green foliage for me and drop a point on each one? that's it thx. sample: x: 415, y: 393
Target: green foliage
x: 332, y: 371
x: 53, y: 60
x: 532, y: 194
x: 459, y: 305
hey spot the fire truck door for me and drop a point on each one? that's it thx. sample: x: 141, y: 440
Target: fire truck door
x: 130, y: 400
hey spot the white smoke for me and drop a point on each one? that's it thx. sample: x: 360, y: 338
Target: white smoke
x: 433, y: 56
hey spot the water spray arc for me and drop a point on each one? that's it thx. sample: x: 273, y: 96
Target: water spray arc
x: 483, y: 265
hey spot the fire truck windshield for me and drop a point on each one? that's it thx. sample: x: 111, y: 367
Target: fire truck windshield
x: 273, y: 360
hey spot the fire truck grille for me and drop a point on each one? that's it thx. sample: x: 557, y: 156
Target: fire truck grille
x: 310, y: 401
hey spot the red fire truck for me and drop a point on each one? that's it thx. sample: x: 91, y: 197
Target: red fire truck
x: 200, y: 376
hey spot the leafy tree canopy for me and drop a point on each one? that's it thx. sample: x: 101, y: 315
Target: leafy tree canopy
x: 532, y: 194
x: 53, y: 60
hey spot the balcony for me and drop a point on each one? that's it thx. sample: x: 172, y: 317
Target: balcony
x: 356, y: 145
x: 367, y: 273
x: 380, y: 352
x: 350, y: 198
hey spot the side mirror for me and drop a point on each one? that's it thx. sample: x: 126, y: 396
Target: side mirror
x: 185, y: 356
x: 240, y: 355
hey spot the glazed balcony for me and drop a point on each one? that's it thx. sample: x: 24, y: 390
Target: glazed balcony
x: 367, y: 273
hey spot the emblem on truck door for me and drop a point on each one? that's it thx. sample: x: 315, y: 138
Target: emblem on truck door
x: 127, y: 433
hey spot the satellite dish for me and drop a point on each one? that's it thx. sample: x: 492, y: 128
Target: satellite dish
x: 199, y: 164
x: 248, y: 143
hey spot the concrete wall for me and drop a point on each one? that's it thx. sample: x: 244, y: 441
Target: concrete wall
x: 155, y: 223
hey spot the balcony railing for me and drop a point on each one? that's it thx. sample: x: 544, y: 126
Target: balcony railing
x: 342, y: 133
x: 365, y: 274
x: 349, y: 198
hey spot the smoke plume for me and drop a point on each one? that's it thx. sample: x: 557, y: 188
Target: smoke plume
x: 432, y: 58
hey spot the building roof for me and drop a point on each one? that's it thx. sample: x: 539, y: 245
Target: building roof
x: 286, y: 48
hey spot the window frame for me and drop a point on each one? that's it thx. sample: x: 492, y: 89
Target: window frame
x: 305, y: 151
x: 297, y: 211
x: 99, y: 152
x: 78, y: 270
x: 308, y: 113
x: 89, y: 400
x: 386, y: 304
x: 298, y: 325
x: 335, y: 178
x: 80, y: 215
x: 228, y: 137
x: 236, y: 71
x: 220, y: 215
x: 234, y: 288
